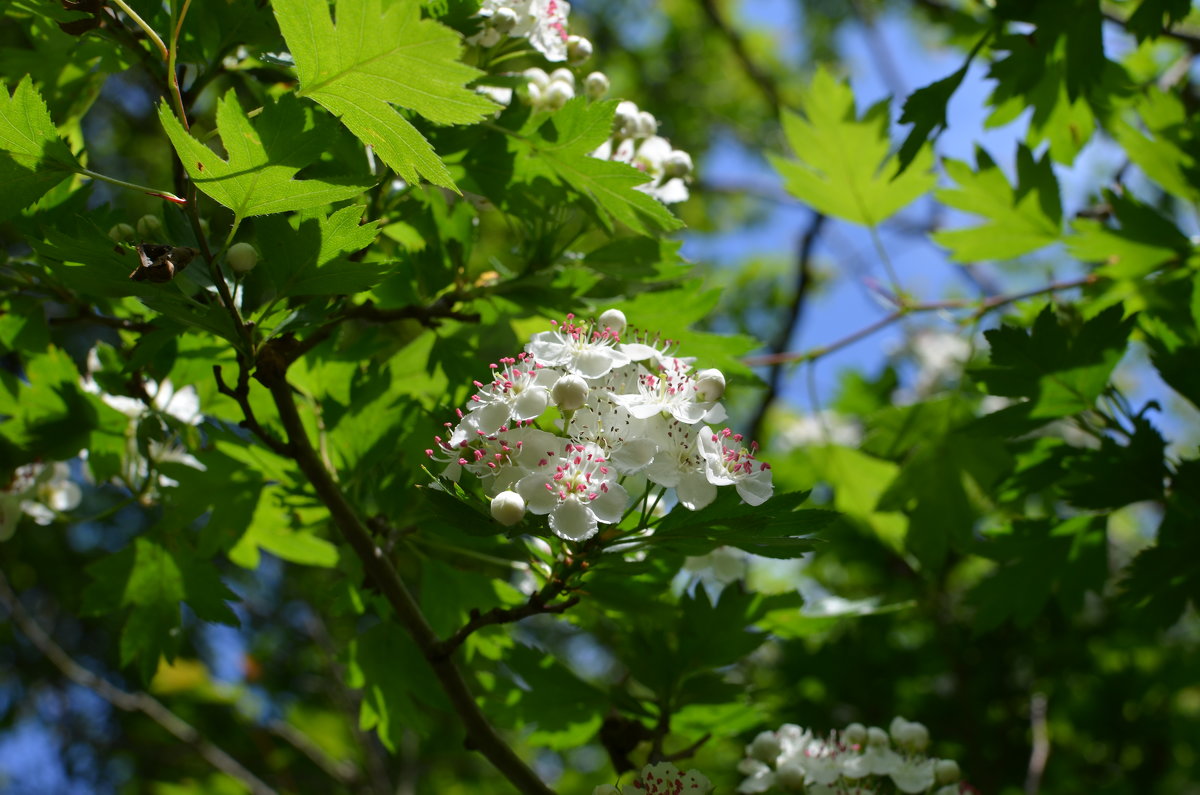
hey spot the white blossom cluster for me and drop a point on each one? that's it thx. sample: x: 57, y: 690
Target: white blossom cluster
x: 629, y: 412
x: 855, y: 761
x: 542, y: 22
x: 549, y: 91
x: 662, y: 779
x: 40, y: 491
x: 635, y: 140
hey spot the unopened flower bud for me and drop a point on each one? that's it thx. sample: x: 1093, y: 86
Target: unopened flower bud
x: 570, y: 392
x: 562, y: 75
x: 508, y: 508
x: 489, y: 37
x: 504, y: 20
x: 120, y: 233
x: 625, y: 119
x: 557, y: 95
x: 946, y: 771
x: 241, y: 257
x: 917, y: 738
x: 596, y: 85
x: 613, y: 320
x: 710, y: 385
x: 765, y: 747
x: 877, y: 737
x: 677, y: 164
x: 579, y: 50
x: 855, y: 734
x: 149, y: 227
x: 537, y: 77
x: 647, y: 125
x: 533, y: 94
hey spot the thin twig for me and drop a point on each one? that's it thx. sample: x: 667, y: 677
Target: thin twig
x: 241, y: 394
x: 141, y: 23
x: 120, y: 323
x: 341, y: 771
x: 272, y: 373
x: 172, y: 72
x: 981, y: 307
x: 124, y: 700
x: 764, y: 82
x: 538, y: 604
x: 791, y: 322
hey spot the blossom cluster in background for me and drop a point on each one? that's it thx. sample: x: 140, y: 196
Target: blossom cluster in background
x: 855, y: 760
x: 542, y: 22
x: 40, y: 491
x: 662, y: 779
x: 630, y: 412
x: 635, y: 140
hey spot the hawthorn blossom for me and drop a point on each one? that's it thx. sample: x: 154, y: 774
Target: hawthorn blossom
x: 39, y: 491
x: 671, y: 391
x: 542, y: 22
x: 582, y: 349
x: 736, y: 465
x: 578, y: 494
x: 519, y: 390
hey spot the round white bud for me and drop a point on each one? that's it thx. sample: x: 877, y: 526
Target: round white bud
x: 765, y: 747
x: 647, y: 125
x: 149, y: 227
x: 613, y: 320
x: 563, y: 76
x: 946, y: 771
x: 710, y: 385
x: 677, y: 164
x: 570, y: 392
x: 877, y: 737
x: 625, y: 120
x: 917, y: 738
x: 537, y: 77
x: 855, y: 734
x: 557, y: 95
x: 533, y: 94
x: 596, y: 85
x: 579, y: 50
x: 504, y: 20
x: 489, y: 37
x: 898, y: 728
x: 241, y: 257
x: 119, y: 233
x: 508, y: 508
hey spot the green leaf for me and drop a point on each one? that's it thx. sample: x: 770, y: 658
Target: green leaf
x: 379, y: 55
x: 1061, y: 370
x: 397, y: 683
x: 1143, y: 242
x: 1019, y: 220
x: 925, y: 109
x: 1152, y: 17
x: 270, y: 529
x: 33, y: 159
x: 559, y: 150
x: 775, y: 529
x: 308, y: 255
x: 1169, y: 154
x: 845, y: 167
x: 1040, y: 558
x: 264, y: 157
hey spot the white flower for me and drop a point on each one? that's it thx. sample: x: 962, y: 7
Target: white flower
x: 672, y: 391
x: 913, y: 775
x: 499, y: 459
x: 39, y: 491
x: 183, y: 405
x: 581, y: 349
x: 519, y: 390
x: 765, y: 746
x: 946, y: 771
x: 679, y: 464
x: 735, y: 466
x: 824, y: 427
x: 542, y: 22
x: 877, y: 759
x: 653, y: 156
x: 760, y: 777
x: 578, y: 493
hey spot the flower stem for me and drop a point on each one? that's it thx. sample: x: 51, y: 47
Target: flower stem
x: 162, y: 194
x: 141, y: 23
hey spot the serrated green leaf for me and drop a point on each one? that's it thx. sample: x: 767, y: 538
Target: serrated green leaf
x: 1169, y: 155
x: 307, y: 255
x: 925, y: 109
x: 1143, y: 242
x: 270, y: 529
x: 1153, y: 17
x: 33, y: 159
x: 845, y: 167
x: 559, y: 149
x: 379, y: 55
x: 775, y: 529
x: 1019, y: 220
x: 264, y: 157
x: 1062, y: 370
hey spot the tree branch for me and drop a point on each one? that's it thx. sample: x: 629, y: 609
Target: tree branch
x: 272, y: 373
x: 124, y: 700
x: 981, y: 307
x: 764, y: 82
x: 808, y: 242
x: 537, y: 604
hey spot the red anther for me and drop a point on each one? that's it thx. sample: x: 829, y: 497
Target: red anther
x: 549, y: 487
x: 462, y: 462
x: 429, y: 452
